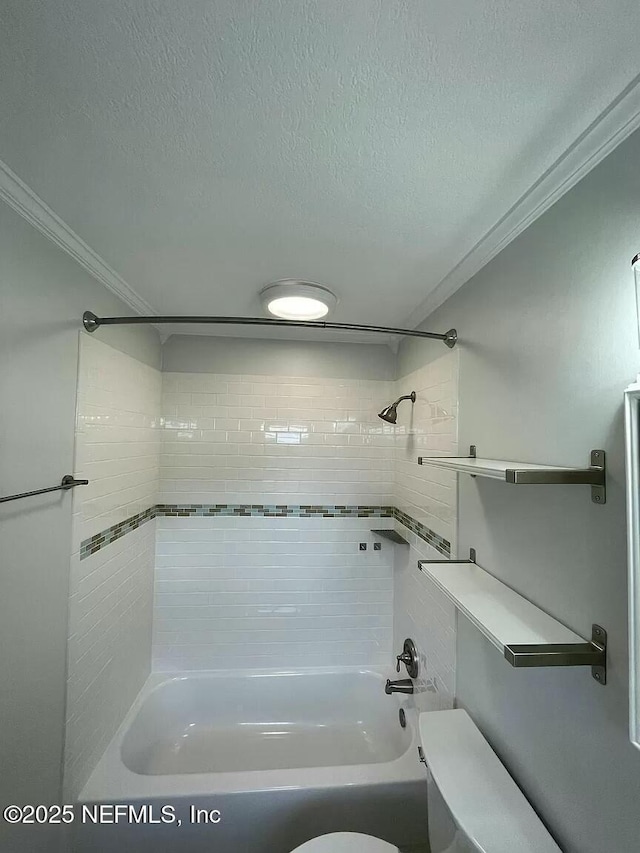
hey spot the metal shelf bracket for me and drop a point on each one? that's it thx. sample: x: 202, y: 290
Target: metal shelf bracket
x: 594, y: 476
x: 472, y: 559
x: 593, y: 654
x: 470, y: 455
x: 599, y: 470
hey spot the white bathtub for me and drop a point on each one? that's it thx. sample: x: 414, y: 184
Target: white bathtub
x: 283, y: 756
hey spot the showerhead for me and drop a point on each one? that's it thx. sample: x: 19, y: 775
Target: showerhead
x: 390, y: 413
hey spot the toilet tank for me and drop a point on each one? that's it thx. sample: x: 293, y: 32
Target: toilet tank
x: 474, y: 805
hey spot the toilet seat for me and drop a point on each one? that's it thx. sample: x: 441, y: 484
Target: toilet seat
x: 346, y: 842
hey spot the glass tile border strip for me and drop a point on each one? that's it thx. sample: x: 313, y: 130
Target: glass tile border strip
x: 442, y: 545
x: 98, y: 541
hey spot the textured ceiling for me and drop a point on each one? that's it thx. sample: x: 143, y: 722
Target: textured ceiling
x: 206, y: 148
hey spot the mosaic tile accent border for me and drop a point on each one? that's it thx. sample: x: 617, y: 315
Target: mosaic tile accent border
x: 117, y: 531
x: 275, y: 510
x: 442, y: 545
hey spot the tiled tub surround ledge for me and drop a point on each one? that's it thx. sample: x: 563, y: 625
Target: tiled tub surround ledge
x: 117, y: 531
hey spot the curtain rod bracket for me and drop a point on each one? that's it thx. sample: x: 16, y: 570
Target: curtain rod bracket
x: 90, y: 321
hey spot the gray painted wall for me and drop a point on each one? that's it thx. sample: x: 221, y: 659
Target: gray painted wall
x: 548, y: 345
x: 200, y: 354
x: 42, y: 296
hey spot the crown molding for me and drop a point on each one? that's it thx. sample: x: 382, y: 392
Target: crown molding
x: 31, y: 207
x: 601, y: 137
x: 606, y: 132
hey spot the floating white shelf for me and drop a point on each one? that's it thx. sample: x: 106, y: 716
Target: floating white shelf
x: 521, y: 473
x: 525, y: 634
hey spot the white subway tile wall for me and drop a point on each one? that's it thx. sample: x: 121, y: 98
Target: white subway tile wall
x: 421, y: 611
x: 117, y: 438
x: 282, y: 592
x: 428, y: 428
x: 274, y: 440
x: 111, y: 591
x: 110, y: 625
x: 270, y: 592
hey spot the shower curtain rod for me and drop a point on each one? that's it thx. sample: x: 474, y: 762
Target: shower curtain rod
x: 92, y: 322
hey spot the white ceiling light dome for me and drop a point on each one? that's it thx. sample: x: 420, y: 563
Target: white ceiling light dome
x: 293, y: 299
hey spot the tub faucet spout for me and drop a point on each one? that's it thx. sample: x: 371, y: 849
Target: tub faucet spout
x: 404, y: 685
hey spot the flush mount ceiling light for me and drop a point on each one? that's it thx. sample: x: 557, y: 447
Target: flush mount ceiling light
x: 291, y: 299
